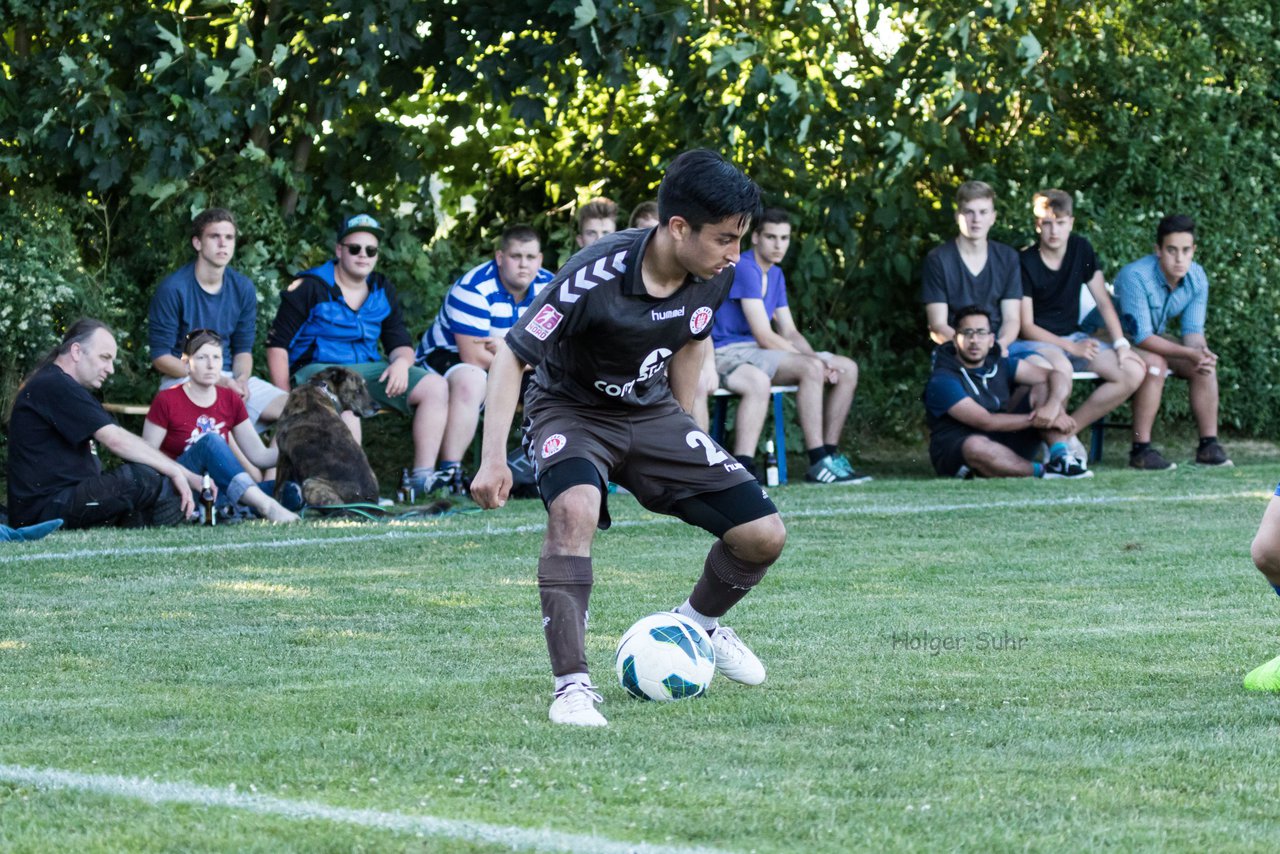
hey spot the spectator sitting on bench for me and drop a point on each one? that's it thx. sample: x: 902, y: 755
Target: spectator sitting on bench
x: 981, y: 422
x: 1152, y: 291
x: 54, y: 471
x: 972, y: 270
x: 193, y: 423
x: 1053, y: 272
x: 336, y: 314
x: 757, y: 343
x: 478, y: 311
x: 209, y: 294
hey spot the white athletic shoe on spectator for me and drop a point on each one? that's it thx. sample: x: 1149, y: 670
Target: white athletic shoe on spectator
x: 734, y: 660
x: 575, y: 704
x: 1077, y: 449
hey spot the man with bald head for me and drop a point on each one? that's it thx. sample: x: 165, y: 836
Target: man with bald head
x: 56, y: 426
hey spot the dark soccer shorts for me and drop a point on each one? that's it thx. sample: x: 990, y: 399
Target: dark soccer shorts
x: 658, y: 452
x: 946, y: 451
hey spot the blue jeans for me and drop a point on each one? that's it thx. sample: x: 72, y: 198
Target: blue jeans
x: 211, y: 454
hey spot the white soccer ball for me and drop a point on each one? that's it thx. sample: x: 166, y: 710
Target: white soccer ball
x: 665, y: 656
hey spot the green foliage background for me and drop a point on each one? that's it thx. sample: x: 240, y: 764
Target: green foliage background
x: 119, y: 121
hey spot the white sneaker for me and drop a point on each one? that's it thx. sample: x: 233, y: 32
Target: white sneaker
x: 1077, y: 449
x: 734, y: 660
x: 575, y: 704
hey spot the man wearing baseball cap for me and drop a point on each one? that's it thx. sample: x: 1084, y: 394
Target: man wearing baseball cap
x: 336, y: 314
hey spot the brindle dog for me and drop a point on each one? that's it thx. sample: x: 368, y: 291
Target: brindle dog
x: 317, y: 451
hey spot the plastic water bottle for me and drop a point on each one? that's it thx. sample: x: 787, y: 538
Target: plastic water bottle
x: 404, y: 495
x: 208, y: 513
x: 770, y: 464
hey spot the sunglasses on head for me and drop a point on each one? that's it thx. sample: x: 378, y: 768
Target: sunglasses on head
x: 195, y: 334
x: 355, y: 248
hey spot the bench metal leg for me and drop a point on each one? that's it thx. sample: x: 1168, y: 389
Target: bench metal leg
x: 780, y: 436
x: 718, y: 413
x: 1095, y: 442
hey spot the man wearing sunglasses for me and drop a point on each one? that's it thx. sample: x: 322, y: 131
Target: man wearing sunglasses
x: 336, y: 314
x: 979, y: 411
x: 209, y: 295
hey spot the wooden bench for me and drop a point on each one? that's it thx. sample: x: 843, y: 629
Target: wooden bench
x: 721, y: 397
x: 127, y: 408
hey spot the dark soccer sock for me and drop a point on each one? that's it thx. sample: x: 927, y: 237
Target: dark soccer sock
x: 725, y: 580
x: 564, y: 586
x: 830, y: 450
x: 749, y: 464
x: 1206, y: 440
x: 816, y: 454
x: 1139, y: 447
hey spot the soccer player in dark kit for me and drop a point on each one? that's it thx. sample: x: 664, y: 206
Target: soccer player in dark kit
x: 617, y: 341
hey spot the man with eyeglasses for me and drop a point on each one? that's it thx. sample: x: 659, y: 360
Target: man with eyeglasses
x: 478, y: 311
x: 978, y: 407
x: 209, y: 295
x: 336, y: 314
x: 972, y: 269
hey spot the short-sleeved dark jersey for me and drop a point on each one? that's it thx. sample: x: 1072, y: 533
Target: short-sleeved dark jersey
x: 598, y: 338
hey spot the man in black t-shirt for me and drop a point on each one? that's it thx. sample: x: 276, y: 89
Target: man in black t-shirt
x: 1056, y: 273
x: 972, y: 270
x: 54, y: 472
x: 618, y: 339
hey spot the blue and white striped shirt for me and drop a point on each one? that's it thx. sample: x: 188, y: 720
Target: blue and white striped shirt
x: 477, y: 305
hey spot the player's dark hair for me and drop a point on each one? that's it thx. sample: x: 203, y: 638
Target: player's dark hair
x: 517, y: 234
x: 772, y: 216
x: 77, y: 333
x: 644, y: 209
x: 207, y: 218
x: 972, y: 311
x: 1172, y: 224
x: 702, y: 187
x: 598, y: 208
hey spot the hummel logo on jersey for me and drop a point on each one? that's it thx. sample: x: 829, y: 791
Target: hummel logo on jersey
x: 544, y: 323
x: 591, y: 275
x: 667, y: 315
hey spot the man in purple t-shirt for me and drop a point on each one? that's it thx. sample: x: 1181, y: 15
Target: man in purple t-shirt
x: 755, y: 336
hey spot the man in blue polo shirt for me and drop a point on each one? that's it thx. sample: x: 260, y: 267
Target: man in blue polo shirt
x: 336, y: 314
x: 209, y: 294
x: 478, y: 310
x: 1152, y: 291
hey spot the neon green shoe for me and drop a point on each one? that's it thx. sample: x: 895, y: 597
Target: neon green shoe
x: 1264, y: 678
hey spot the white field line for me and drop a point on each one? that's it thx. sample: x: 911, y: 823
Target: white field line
x: 191, y: 794
x: 443, y: 533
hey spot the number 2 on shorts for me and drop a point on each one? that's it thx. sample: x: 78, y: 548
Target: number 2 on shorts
x: 696, y: 439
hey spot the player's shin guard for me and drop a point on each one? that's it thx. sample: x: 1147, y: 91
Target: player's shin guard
x: 725, y: 580
x: 564, y: 586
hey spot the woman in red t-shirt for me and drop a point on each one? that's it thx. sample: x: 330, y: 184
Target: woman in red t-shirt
x: 193, y: 423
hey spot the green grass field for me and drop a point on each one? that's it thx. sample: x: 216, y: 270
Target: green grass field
x: 952, y: 666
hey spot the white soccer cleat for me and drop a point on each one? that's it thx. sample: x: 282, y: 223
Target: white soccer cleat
x: 575, y: 704
x: 733, y: 659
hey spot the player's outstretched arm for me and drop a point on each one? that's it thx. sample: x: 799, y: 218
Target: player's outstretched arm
x: 492, y: 483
